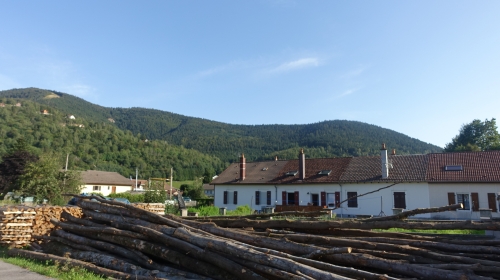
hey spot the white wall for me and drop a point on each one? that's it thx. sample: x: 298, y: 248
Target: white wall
x: 246, y: 196
x: 438, y: 196
x: 417, y: 196
x: 105, y: 189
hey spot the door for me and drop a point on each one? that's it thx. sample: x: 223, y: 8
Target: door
x: 113, y: 189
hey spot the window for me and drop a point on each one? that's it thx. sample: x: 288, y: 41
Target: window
x: 290, y: 198
x: 453, y: 168
x: 235, y: 199
x: 353, y: 199
x: 464, y: 199
x: 315, y: 199
x: 257, y: 197
x: 97, y: 188
x: 330, y: 199
x: 399, y: 200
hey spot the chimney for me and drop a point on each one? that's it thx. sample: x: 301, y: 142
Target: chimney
x: 242, y: 167
x: 302, y: 165
x: 385, y: 162
x: 393, y: 152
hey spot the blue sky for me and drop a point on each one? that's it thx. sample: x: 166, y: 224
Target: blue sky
x: 422, y: 68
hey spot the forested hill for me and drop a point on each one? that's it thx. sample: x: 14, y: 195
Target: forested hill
x: 96, y: 145
x: 227, y: 141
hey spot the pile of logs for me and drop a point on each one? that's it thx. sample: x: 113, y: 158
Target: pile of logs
x: 44, y: 213
x: 123, y: 241
x: 16, y: 225
x: 158, y: 208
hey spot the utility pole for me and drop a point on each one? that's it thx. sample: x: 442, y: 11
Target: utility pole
x: 67, y: 157
x: 136, y: 174
x: 171, y: 178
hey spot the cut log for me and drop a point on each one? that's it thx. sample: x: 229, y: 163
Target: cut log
x: 104, y: 260
x: 336, y: 224
x: 249, y: 254
x: 406, y: 214
x: 73, y: 263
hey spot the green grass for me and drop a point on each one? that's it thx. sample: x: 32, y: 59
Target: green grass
x: 433, y: 231
x: 178, y: 184
x: 48, y: 268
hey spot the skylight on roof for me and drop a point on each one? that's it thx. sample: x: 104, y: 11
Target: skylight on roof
x: 291, y: 173
x: 453, y: 168
x: 325, y: 172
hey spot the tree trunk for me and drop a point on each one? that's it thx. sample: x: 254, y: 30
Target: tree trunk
x: 74, y: 263
x: 406, y: 214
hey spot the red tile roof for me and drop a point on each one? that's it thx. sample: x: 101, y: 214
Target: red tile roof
x: 255, y: 173
x: 477, y: 167
x: 402, y: 168
x: 313, y: 167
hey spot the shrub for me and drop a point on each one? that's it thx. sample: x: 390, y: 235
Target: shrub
x: 240, y: 211
x: 207, y: 211
x: 133, y: 198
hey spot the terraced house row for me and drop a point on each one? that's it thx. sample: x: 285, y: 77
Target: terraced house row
x: 390, y: 183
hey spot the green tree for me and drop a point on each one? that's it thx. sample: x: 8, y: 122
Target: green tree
x: 44, y: 179
x: 476, y: 136
x: 156, y: 193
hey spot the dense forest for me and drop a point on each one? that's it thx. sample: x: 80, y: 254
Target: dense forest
x: 226, y: 141
x: 97, y: 145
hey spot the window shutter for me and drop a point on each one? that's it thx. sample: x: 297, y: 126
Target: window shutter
x: 225, y: 197
x: 475, y: 201
x: 268, y: 197
x: 323, y: 198
x: 337, y: 199
x: 235, y: 197
x: 451, y: 198
x: 297, y: 201
x: 283, y: 198
x: 492, y: 202
x: 257, y: 197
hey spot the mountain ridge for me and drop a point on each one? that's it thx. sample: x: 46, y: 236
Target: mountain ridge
x: 333, y: 138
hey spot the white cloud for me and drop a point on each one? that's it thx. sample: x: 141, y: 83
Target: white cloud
x: 348, y: 92
x: 354, y: 73
x: 296, y: 65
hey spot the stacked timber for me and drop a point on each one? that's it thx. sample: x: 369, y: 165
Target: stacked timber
x: 157, y: 208
x: 16, y: 225
x: 41, y: 222
x: 123, y: 241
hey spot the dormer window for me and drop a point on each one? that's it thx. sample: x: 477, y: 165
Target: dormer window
x: 325, y: 172
x: 453, y: 168
x: 291, y: 173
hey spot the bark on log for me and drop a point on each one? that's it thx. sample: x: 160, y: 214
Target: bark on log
x: 324, y: 225
x: 397, y: 256
x: 443, y: 246
x: 406, y: 214
x: 104, y: 260
x: 73, y: 263
x: 385, y: 247
x: 321, y: 265
x: 474, y: 267
x: 361, y: 260
x: 263, y: 216
x: 105, y: 246
x: 252, y: 255
x: 265, y: 242
x: 165, y: 253
x: 196, y: 252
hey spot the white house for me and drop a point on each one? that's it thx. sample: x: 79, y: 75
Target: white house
x: 378, y: 185
x: 104, y: 182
